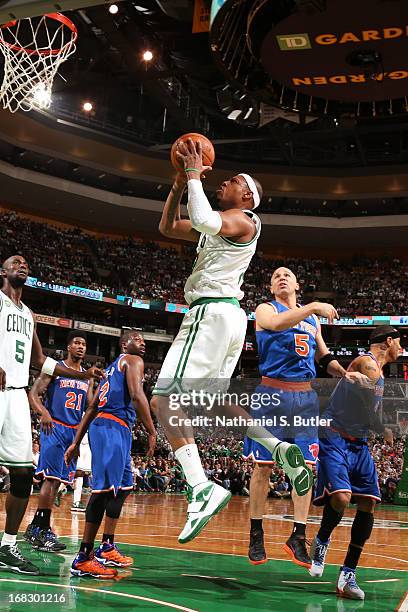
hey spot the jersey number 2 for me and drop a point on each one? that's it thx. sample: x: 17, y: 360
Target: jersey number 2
x: 302, y: 345
x: 102, y: 395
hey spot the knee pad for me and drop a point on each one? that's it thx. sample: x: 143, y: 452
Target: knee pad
x: 115, y: 504
x: 361, y: 528
x: 21, y: 481
x: 96, y: 508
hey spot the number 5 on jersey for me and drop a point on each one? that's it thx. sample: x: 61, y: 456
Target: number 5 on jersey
x: 302, y: 345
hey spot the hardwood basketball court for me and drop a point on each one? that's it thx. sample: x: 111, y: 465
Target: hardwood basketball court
x: 212, y: 570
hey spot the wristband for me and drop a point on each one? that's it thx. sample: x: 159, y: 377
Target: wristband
x: 49, y: 366
x: 326, y: 359
x: 192, y: 170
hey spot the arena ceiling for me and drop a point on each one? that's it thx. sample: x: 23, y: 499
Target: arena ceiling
x: 189, y: 87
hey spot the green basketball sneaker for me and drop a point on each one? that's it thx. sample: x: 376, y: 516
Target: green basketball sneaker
x: 205, y: 500
x: 12, y: 559
x: 290, y: 458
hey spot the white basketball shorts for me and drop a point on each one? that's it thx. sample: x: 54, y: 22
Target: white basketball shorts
x: 206, y: 349
x: 15, y: 429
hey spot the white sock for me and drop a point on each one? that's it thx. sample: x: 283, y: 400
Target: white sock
x: 8, y: 540
x: 79, y: 481
x: 190, y: 461
x: 263, y: 436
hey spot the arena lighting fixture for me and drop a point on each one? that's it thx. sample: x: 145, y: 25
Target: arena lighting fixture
x: 147, y: 56
x: 234, y: 114
x: 87, y: 107
x: 42, y: 95
x: 113, y: 9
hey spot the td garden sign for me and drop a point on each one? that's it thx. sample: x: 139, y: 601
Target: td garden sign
x: 294, y: 42
x: 353, y: 51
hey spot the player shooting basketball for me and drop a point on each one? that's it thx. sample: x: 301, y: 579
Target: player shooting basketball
x: 212, y: 334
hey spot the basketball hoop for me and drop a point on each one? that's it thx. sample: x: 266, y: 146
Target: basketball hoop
x: 33, y: 50
x: 403, y: 425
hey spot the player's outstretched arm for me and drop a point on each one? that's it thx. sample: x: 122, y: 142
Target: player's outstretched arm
x: 134, y: 368
x: 35, y: 398
x: 171, y: 224
x: 267, y: 317
x: 53, y: 368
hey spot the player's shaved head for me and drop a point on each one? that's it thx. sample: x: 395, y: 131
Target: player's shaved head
x: 132, y: 342
x: 282, y: 269
x: 14, y: 271
x: 8, y: 262
x: 128, y: 334
x: 284, y: 284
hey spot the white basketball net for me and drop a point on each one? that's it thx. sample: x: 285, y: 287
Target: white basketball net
x: 33, y: 50
x: 403, y: 425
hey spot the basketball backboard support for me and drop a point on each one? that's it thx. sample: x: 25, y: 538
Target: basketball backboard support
x: 18, y: 9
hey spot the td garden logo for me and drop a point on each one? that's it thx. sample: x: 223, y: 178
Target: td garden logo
x: 298, y: 42
x: 293, y: 42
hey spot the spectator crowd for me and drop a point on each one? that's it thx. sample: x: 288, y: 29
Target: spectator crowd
x: 148, y: 271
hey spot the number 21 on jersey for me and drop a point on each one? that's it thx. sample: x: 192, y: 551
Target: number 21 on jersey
x: 302, y: 345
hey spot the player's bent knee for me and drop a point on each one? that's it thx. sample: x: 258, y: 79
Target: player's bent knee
x: 21, y: 480
x: 96, y: 508
x: 366, y: 504
x: 340, y: 500
x: 115, y: 504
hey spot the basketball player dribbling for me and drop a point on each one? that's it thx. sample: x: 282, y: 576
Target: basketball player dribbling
x: 212, y: 334
x: 20, y: 347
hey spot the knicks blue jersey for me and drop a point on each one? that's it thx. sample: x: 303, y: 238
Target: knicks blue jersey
x: 350, y: 404
x: 288, y: 354
x: 66, y: 399
x: 114, y: 395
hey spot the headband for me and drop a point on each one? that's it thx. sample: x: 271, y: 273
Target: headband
x: 252, y: 188
x: 380, y: 337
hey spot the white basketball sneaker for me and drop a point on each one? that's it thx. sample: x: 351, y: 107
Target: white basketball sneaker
x: 347, y: 585
x: 290, y: 458
x: 318, y: 552
x: 205, y: 500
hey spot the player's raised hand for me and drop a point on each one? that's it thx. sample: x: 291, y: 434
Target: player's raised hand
x: 95, y: 373
x: 46, y: 424
x: 190, y: 155
x: 2, y: 380
x: 327, y: 311
x: 71, y: 453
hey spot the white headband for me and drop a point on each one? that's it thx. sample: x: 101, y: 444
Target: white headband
x: 252, y: 188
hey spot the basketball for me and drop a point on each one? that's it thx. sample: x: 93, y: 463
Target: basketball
x: 207, y: 146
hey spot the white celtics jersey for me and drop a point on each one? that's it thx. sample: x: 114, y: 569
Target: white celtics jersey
x: 220, y: 266
x: 16, y: 339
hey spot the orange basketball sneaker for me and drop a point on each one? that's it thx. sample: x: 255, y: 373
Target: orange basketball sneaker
x: 90, y: 566
x: 109, y: 555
